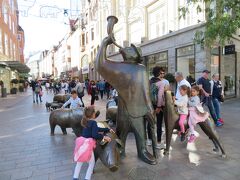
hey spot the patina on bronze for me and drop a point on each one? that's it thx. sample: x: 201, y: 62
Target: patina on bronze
x: 171, y: 118
x: 130, y: 79
x: 108, y: 153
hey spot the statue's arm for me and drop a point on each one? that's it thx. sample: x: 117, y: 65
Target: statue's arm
x: 146, y: 88
x: 101, y: 58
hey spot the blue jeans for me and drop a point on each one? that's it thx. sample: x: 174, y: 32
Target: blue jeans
x: 208, y: 101
x: 216, y: 105
x: 40, y: 97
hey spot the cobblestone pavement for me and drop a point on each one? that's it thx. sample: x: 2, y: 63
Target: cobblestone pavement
x: 27, y: 151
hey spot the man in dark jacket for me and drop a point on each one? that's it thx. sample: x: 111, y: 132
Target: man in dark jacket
x: 33, y: 85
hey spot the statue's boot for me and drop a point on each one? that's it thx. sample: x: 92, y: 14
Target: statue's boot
x: 138, y: 128
x: 147, y: 157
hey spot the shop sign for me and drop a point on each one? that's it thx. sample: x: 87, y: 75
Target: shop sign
x: 230, y: 49
x: 85, y: 70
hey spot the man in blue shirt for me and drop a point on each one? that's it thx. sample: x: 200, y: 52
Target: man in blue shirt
x: 205, y: 86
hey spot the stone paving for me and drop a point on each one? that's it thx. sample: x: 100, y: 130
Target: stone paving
x: 27, y: 151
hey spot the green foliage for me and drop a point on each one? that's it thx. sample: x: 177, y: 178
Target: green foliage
x: 222, y: 20
x: 14, y: 81
x: 170, y: 77
x: 21, y: 81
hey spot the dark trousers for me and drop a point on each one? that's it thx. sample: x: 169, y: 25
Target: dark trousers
x: 80, y: 97
x: 116, y: 100
x: 92, y: 100
x: 40, y: 97
x: 209, y: 103
x: 101, y: 93
x: 159, y: 127
x: 108, y: 93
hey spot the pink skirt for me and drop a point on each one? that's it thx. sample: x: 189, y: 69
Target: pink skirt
x: 83, y: 149
x: 195, y: 117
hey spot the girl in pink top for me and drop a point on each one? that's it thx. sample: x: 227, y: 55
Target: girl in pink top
x: 182, y: 107
x: 195, y: 116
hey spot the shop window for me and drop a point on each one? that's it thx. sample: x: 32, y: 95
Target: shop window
x: 10, y: 23
x: 186, y: 61
x: 157, y: 22
x: 158, y: 59
x: 83, y: 39
x: 1, y: 46
x: 13, y: 27
x: 228, y: 74
x: 6, y: 45
x: 215, y: 60
x: 5, y: 14
x: 92, y: 34
x: 135, y: 32
x: 87, y: 38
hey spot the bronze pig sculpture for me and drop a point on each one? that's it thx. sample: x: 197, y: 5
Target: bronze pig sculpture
x: 61, y: 98
x: 171, y: 118
x: 111, y: 112
x: 58, y: 101
x: 108, y: 153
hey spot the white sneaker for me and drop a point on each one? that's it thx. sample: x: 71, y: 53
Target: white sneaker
x: 160, y: 146
x: 149, y: 142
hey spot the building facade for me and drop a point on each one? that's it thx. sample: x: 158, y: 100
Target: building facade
x: 33, y: 63
x: 10, y: 66
x: 21, y: 43
x: 167, y: 41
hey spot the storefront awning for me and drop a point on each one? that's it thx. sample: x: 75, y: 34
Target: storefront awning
x: 16, y: 65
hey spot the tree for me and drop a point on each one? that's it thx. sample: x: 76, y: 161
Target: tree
x: 222, y: 20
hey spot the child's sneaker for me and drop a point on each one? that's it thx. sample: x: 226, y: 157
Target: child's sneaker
x: 149, y: 142
x: 182, y: 137
x: 221, y: 120
x: 218, y: 124
x: 192, y: 138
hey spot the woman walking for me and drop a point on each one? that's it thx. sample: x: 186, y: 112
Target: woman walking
x: 217, y: 95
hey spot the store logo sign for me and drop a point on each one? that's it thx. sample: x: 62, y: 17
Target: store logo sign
x: 229, y: 49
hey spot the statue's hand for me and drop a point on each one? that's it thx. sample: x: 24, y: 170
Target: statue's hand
x: 151, y: 118
x: 108, y: 40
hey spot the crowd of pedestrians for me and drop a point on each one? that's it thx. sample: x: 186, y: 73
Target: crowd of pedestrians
x: 96, y: 90
x: 190, y: 99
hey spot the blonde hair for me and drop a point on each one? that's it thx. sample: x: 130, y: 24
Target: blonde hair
x: 88, y: 114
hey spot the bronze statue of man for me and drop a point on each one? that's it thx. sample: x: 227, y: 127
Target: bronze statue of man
x: 130, y: 79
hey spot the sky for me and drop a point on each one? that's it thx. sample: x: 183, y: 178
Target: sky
x: 43, y: 22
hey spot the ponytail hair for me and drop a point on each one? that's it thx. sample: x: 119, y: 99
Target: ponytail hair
x: 87, y: 114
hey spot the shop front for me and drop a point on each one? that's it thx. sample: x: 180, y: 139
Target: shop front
x: 5, y: 77
x: 228, y: 71
x: 9, y: 73
x: 157, y: 59
x: 85, y: 67
x: 224, y: 62
x: 185, y: 61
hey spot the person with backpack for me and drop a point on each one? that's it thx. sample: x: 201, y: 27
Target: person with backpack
x: 157, y: 87
x: 80, y: 91
x: 33, y: 85
x: 38, y: 91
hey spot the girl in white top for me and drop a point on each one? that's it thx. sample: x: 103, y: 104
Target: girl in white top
x: 196, y: 112
x: 182, y: 107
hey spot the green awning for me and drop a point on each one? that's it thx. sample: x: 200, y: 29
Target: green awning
x: 16, y: 65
